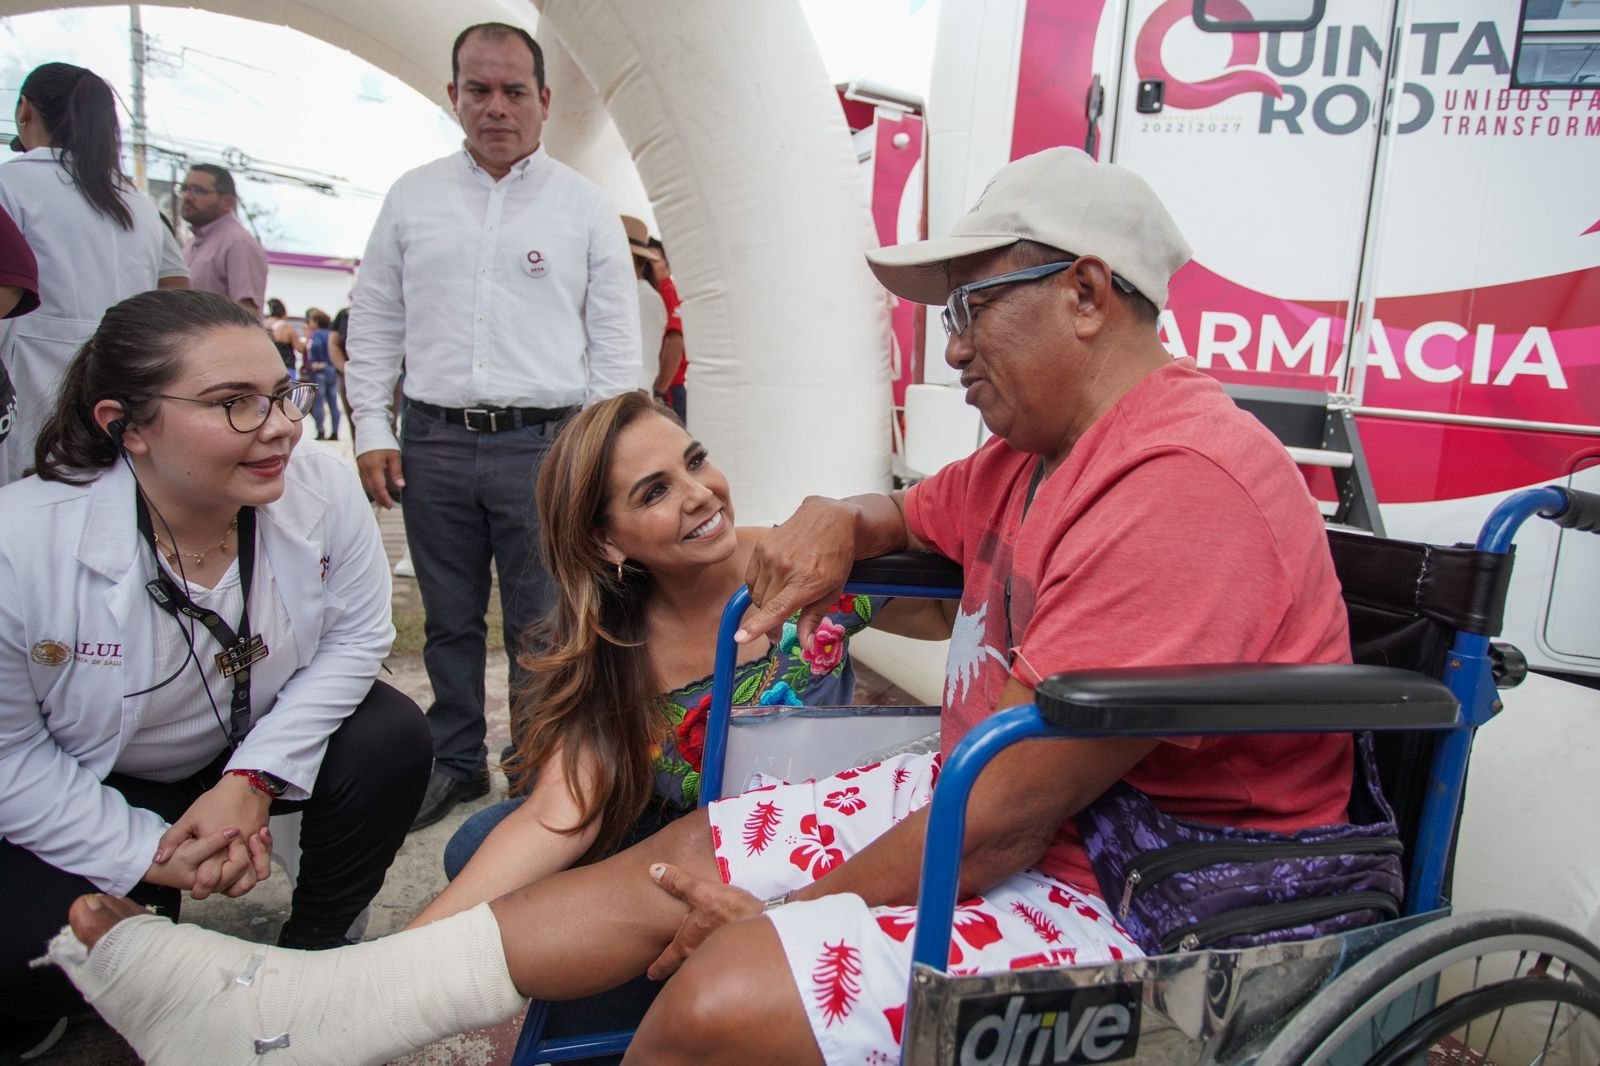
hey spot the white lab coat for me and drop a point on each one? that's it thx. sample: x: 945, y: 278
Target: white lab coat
x: 86, y: 263
x: 74, y: 643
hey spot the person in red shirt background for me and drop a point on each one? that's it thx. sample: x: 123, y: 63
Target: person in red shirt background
x: 19, y: 294
x: 669, y: 387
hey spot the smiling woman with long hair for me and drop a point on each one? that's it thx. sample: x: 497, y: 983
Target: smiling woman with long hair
x: 637, y: 528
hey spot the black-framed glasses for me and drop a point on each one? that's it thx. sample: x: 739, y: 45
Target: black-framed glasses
x: 957, y: 313
x: 246, y: 414
x: 197, y: 190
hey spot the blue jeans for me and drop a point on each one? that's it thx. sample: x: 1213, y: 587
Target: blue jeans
x: 469, y: 502
x: 622, y: 1007
x: 470, y: 835
x: 326, y: 379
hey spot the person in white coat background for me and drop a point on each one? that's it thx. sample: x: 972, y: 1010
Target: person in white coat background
x: 133, y: 757
x: 97, y: 240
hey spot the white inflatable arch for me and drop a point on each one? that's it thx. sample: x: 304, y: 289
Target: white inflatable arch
x: 741, y: 155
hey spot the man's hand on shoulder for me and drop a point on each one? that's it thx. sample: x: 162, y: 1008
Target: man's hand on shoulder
x: 380, y: 474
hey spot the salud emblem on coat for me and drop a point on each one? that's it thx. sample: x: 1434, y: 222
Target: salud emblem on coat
x: 50, y: 653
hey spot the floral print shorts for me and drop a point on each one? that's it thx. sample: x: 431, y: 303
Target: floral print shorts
x: 850, y: 962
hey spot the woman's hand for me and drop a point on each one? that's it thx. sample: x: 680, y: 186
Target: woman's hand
x: 712, y: 905
x: 199, y: 864
x: 232, y: 803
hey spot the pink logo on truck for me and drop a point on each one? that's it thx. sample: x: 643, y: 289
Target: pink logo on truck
x: 1191, y: 96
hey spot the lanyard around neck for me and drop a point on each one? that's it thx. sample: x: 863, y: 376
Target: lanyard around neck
x: 239, y: 649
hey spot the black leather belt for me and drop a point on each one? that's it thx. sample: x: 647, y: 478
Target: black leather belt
x: 494, y: 419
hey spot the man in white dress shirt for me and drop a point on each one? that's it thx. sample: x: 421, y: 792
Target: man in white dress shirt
x: 501, y: 281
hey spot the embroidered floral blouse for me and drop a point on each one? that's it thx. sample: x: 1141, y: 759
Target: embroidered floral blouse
x: 787, y: 675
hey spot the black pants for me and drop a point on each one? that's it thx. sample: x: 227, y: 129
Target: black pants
x: 366, y: 793
x: 469, y: 505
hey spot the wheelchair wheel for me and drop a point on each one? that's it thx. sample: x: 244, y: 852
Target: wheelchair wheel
x: 1489, y: 989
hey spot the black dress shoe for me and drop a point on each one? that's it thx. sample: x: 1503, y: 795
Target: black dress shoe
x: 444, y: 792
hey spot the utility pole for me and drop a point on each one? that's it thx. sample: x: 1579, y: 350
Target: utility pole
x: 140, y: 133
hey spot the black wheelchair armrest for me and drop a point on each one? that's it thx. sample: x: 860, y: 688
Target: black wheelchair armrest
x: 922, y: 569
x: 1253, y: 698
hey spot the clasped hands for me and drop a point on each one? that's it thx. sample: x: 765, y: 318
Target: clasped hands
x: 221, y: 844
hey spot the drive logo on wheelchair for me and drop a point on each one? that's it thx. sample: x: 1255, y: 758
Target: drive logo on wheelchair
x: 1054, y: 1028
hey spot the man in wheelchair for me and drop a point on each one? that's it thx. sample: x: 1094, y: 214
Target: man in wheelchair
x: 1125, y: 513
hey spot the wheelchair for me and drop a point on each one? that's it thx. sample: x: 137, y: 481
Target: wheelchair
x: 1427, y: 987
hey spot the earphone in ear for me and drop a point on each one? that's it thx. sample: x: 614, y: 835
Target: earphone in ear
x: 116, y: 428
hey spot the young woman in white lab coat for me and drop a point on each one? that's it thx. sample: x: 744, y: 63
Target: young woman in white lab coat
x: 97, y: 240
x: 193, y: 613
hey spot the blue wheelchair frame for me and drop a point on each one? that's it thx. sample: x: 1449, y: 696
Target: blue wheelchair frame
x: 531, y: 1046
x: 1061, y: 714
x: 1469, y: 678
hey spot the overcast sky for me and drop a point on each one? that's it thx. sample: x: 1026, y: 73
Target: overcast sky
x: 294, y: 104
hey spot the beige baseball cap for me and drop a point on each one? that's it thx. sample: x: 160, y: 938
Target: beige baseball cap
x: 1058, y: 197
x: 639, y: 238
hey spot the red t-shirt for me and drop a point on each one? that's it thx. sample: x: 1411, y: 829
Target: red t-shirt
x: 1177, y: 531
x: 18, y: 268
x: 669, y: 296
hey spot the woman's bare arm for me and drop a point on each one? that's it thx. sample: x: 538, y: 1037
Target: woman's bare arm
x: 523, y: 848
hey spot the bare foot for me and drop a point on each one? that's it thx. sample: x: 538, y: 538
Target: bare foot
x: 92, y: 917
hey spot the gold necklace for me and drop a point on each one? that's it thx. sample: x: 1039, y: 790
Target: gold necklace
x: 200, y: 557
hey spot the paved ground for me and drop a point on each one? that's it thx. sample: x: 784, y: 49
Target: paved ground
x: 416, y: 875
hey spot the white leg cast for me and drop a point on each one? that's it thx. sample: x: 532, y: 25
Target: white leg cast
x: 185, y: 996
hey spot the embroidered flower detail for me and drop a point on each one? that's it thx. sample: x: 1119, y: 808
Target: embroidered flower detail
x: 836, y: 980
x: 827, y: 647
x: 691, y: 732
x: 780, y: 695
x: 846, y: 604
x: 816, y: 855
x: 761, y: 827
x: 790, y: 639
x: 846, y: 801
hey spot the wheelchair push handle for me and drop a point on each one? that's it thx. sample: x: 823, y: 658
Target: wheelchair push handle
x: 1568, y: 508
x: 1582, y: 511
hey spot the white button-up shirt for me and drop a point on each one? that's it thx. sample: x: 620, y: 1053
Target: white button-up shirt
x: 510, y: 293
